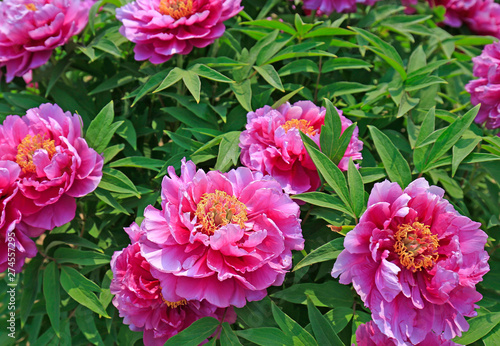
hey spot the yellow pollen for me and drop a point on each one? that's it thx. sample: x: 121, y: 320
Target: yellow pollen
x: 302, y: 125
x: 176, y: 8
x: 219, y: 209
x: 26, y: 149
x: 30, y: 7
x: 416, y: 246
x: 174, y: 305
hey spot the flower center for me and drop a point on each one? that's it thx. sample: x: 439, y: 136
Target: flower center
x: 219, y: 209
x: 302, y: 125
x: 30, y: 7
x: 176, y: 8
x: 174, y: 305
x: 416, y: 246
x: 26, y: 149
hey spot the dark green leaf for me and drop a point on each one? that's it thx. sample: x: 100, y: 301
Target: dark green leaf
x: 356, y: 189
x: 229, y: 151
x: 266, y: 336
x: 324, y: 200
x: 479, y: 327
x: 195, y: 333
x: 322, y: 328
x: 68, y: 255
x: 173, y: 77
x: 461, y: 150
x: 227, y: 336
x: 270, y: 75
x: 51, y: 292
x: 326, y: 252
x: 86, y: 324
x: 101, y: 129
x: 292, y: 328
x: 243, y: 93
x: 320, y: 294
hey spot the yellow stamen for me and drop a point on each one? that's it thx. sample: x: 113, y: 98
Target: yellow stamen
x: 174, y: 305
x: 176, y: 8
x: 26, y: 149
x: 302, y: 125
x: 219, y: 209
x: 416, y: 246
x: 30, y: 7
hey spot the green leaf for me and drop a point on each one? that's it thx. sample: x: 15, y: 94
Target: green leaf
x: 138, y: 162
x: 396, y: 166
x: 271, y: 76
x: 272, y: 24
x: 229, y: 151
x: 332, y: 174
x: 51, y: 292
x: 118, y: 80
x: 427, y: 126
x: 243, y: 93
x: 210, y: 73
x: 344, y: 88
x: 285, y: 98
x: 420, y: 82
x: 76, y: 256
x: 298, y: 66
x: 127, y: 132
x: 227, y: 336
x: 110, y: 152
x: 344, y: 63
x: 461, y: 150
x: 30, y: 287
x: 291, y: 328
x: 343, y: 143
x: 356, y: 189
x: 195, y: 333
x: 151, y: 84
x: 52, y: 240
x: 193, y: 84
x: 320, y: 294
x: 328, y: 32
x: 479, y: 327
x: 322, y: 328
x: 324, y: 200
x: 101, y: 129
x: 371, y: 174
x: 115, y: 181
x: 79, y: 288
x: 330, y: 132
x: 266, y: 336
x: 450, y: 136
x: 325, y: 252
x: 418, y: 59
x: 493, y: 337
x: 86, y: 324
x: 173, y: 77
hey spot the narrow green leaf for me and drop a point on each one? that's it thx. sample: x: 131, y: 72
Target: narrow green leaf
x: 299, y: 66
x: 356, y: 189
x: 243, y: 93
x: 395, y: 164
x: 320, y: 294
x: 325, y: 252
x: 75, y: 256
x: 86, y: 324
x: 332, y: 174
x: 344, y: 88
x: 330, y: 132
x: 229, y: 151
x: 324, y: 200
x: 101, y: 129
x: 420, y: 82
x: 151, y: 84
x: 461, y: 150
x: 79, y: 288
x: 138, y: 162
x: 451, y: 135
x: 272, y: 24
x: 328, y: 32
x: 227, y: 336
x: 210, y: 73
x: 195, y: 333
x: 285, y: 98
x: 344, y: 63
x: 479, y: 327
x: 343, y: 143
x: 266, y: 336
x: 193, y: 84
x: 57, y: 72
x: 417, y: 60
x: 292, y: 328
x: 270, y: 75
x: 110, y: 152
x: 118, y: 80
x: 173, y: 77
x: 322, y: 328
x: 30, y: 287
x: 51, y: 292
x: 115, y: 181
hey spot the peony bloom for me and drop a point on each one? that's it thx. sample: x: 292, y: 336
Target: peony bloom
x: 272, y: 144
x: 31, y: 29
x: 486, y: 89
x: 369, y: 335
x: 162, y: 28
x: 415, y: 262
x: 139, y: 300
x: 56, y: 165
x: 481, y: 16
x: 340, y: 6
x: 220, y: 237
x: 11, y: 237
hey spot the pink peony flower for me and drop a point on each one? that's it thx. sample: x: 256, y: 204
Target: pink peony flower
x: 340, y: 6
x: 31, y: 29
x: 415, y: 262
x: 272, y: 145
x: 369, y: 335
x: 139, y: 300
x: 220, y: 237
x: 56, y: 165
x: 162, y: 28
x: 12, y: 239
x: 486, y: 89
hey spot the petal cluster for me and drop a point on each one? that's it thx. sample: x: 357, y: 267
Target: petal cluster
x: 340, y: 6
x: 271, y: 144
x: 31, y: 29
x: 223, y: 238
x: 48, y: 164
x: 486, y: 89
x: 415, y: 262
x: 162, y: 28
x: 139, y: 300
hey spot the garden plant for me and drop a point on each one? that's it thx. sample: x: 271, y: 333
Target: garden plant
x: 235, y: 172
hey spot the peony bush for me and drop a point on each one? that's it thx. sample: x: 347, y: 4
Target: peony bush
x: 185, y: 172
